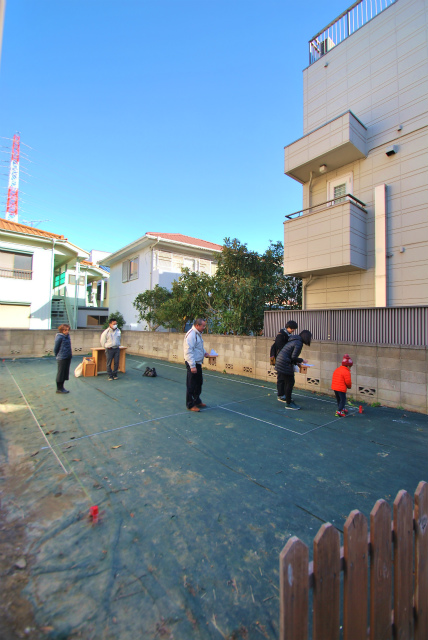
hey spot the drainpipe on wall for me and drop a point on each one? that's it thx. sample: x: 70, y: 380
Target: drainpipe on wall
x: 310, y: 190
x: 76, y: 293
x: 305, y: 286
x: 381, y: 285
x: 51, y: 284
x: 151, y: 263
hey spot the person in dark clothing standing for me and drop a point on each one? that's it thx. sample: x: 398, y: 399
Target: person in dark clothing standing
x: 287, y: 358
x: 63, y: 354
x: 194, y: 354
x: 280, y: 341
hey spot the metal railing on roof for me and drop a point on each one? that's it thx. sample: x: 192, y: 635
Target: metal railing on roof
x: 329, y: 203
x: 344, y: 26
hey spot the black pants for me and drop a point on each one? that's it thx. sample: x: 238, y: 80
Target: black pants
x: 341, y: 399
x: 112, y: 354
x: 63, y: 373
x: 193, y: 386
x: 284, y: 385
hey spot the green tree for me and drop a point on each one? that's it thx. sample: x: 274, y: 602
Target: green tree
x: 233, y: 300
x: 247, y: 283
x: 151, y: 306
x: 117, y: 316
x: 191, y: 298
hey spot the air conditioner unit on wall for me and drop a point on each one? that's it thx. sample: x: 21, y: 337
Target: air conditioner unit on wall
x: 326, y: 45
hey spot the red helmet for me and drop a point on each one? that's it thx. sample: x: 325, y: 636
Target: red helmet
x: 347, y: 361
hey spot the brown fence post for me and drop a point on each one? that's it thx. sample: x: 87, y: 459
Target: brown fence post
x: 380, y: 571
x: 294, y: 590
x: 403, y: 561
x: 355, y: 585
x: 421, y: 561
x: 326, y: 618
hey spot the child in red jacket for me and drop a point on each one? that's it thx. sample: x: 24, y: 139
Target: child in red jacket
x: 340, y: 383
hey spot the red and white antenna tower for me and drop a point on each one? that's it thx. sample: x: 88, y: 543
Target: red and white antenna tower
x: 12, y: 193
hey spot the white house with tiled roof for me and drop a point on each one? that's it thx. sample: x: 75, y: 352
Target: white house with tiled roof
x: 155, y: 258
x: 45, y: 280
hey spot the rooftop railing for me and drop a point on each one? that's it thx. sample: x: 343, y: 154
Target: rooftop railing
x: 329, y: 203
x: 345, y: 25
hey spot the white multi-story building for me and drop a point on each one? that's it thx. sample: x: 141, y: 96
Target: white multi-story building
x: 46, y: 280
x: 361, y: 239
x: 155, y: 258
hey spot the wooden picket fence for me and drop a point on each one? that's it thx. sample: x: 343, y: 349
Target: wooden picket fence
x: 385, y: 584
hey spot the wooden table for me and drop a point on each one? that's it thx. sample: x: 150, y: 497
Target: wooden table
x: 99, y: 355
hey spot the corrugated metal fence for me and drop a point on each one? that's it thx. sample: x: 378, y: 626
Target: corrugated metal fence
x: 383, y: 325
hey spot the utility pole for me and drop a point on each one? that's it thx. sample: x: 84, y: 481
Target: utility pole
x: 12, y: 192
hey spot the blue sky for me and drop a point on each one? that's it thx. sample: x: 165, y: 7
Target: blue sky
x: 156, y: 115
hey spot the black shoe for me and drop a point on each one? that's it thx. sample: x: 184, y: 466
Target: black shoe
x: 292, y: 405
x: 115, y: 378
x: 62, y: 391
x: 109, y: 379
x: 282, y: 399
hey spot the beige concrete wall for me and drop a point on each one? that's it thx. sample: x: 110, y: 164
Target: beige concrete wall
x: 393, y: 376
x: 380, y: 73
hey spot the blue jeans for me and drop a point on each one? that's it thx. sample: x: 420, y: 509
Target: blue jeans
x: 341, y: 399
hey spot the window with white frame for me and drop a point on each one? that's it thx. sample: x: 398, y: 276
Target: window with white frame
x: 16, y: 265
x: 133, y: 269
x: 130, y: 269
x: 189, y: 263
x: 72, y: 279
x: 339, y: 187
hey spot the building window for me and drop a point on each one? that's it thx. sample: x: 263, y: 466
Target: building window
x: 59, y: 279
x: 130, y: 270
x: 72, y: 279
x: 133, y: 269
x: 189, y: 263
x: 338, y: 188
x: 95, y: 321
x: 16, y: 265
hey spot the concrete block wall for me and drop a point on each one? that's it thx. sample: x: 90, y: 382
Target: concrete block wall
x: 391, y: 375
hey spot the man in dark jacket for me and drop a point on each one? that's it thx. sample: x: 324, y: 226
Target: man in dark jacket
x: 287, y: 358
x: 280, y: 341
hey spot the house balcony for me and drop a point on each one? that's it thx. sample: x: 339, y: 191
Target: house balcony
x: 328, y: 238
x: 334, y: 145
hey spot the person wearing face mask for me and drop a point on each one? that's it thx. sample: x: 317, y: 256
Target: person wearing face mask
x: 110, y: 340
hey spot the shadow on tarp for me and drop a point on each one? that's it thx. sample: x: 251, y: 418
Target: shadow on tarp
x: 194, y: 507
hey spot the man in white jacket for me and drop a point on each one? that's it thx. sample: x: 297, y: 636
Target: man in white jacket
x: 110, y: 340
x: 194, y: 354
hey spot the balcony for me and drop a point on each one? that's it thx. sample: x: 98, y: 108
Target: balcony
x: 325, y: 239
x: 19, y: 274
x: 334, y: 145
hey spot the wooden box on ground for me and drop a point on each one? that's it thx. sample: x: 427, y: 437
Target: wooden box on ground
x: 88, y: 367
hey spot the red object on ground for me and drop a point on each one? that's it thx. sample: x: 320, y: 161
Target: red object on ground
x: 93, y: 513
x: 360, y: 408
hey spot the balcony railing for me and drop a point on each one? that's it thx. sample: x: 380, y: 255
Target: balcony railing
x: 344, y: 26
x: 20, y: 274
x: 329, y: 203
